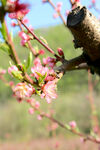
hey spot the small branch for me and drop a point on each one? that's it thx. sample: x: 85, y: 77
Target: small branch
x: 71, y: 2
x: 60, y: 15
x: 85, y: 137
x: 85, y: 29
x: 29, y: 43
x: 73, y: 64
x: 44, y: 45
x: 15, y: 57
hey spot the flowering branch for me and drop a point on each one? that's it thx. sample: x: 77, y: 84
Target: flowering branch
x: 59, y: 13
x: 43, y: 44
x: 72, y: 127
x: 14, y: 56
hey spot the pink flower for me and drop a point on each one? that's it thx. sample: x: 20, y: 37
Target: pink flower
x: 51, y: 62
x: 72, y: 124
x: 31, y: 111
x: 11, y: 69
x: 38, y: 68
x: 45, y: 61
x: 24, y: 36
x: 37, y: 61
x: 49, y: 91
x: 16, y: 9
x: 22, y: 90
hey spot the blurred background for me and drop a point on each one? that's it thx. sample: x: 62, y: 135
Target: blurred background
x: 21, y: 131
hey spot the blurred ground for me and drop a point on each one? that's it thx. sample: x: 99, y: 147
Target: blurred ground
x: 50, y: 144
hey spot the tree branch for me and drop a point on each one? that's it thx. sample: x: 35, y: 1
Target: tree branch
x: 86, y: 31
x: 73, y: 64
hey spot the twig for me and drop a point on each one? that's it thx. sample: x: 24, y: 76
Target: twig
x: 29, y: 43
x: 73, y: 64
x: 43, y: 44
x: 85, y: 137
x: 15, y: 57
x: 60, y: 15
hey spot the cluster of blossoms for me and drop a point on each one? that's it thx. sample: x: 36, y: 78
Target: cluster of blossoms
x: 16, y: 10
x: 44, y: 77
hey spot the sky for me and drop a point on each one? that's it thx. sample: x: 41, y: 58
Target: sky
x: 41, y: 15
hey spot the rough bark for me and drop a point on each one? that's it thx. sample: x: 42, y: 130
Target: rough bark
x: 86, y: 31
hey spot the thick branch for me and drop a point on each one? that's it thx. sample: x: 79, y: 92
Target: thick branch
x: 86, y: 31
x: 73, y: 64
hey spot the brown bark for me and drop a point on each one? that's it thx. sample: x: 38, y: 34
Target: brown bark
x: 86, y: 31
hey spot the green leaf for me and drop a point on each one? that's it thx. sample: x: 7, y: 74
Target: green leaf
x: 3, y: 31
x: 17, y: 74
x: 29, y: 61
x: 3, y: 2
x: 41, y: 79
x: 38, y: 91
x: 39, y: 74
x: 22, y: 66
x: 4, y: 47
x: 68, y: 127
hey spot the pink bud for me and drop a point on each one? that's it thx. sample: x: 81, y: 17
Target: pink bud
x: 77, y: 1
x: 55, y: 15
x: 60, y: 52
x: 93, y: 1
x: 28, y: 100
x: 39, y: 117
x: 11, y: 83
x: 41, y: 52
x: 57, y: 145
x: 11, y: 69
x: 13, y: 24
x: 25, y: 20
x: 37, y: 105
x: 58, y: 9
x: 72, y: 124
x: 2, y: 71
x: 43, y: 1
x: 59, y: 4
x: 67, y: 12
x: 45, y: 61
x: 31, y: 111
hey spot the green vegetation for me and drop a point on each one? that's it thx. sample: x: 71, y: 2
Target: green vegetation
x: 72, y: 104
